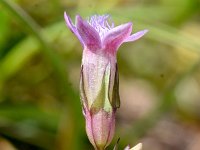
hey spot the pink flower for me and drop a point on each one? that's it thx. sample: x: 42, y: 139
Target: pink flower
x: 99, y: 83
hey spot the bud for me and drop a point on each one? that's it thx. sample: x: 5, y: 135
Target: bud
x: 99, y: 82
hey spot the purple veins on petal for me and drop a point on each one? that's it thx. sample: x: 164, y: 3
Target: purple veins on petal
x: 136, y: 36
x: 88, y: 34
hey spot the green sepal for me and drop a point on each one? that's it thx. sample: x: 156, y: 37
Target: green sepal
x: 115, y: 93
x: 108, y: 98
x: 83, y: 97
x: 102, y: 100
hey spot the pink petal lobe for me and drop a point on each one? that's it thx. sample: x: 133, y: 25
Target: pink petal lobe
x: 72, y: 27
x: 115, y: 37
x: 88, y: 34
x: 136, y: 36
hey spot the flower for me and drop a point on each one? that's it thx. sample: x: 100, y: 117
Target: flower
x: 99, y: 82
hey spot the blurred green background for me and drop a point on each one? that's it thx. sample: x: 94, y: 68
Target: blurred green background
x: 159, y: 75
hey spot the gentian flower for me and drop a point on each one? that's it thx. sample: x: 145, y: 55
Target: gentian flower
x: 99, y: 82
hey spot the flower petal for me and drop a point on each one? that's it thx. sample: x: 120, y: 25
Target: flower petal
x: 88, y: 34
x: 136, y: 36
x: 72, y: 27
x: 115, y: 37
